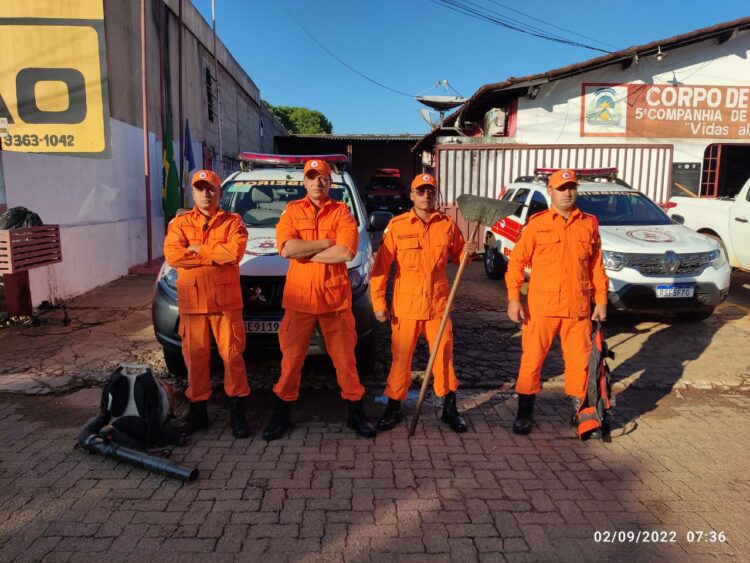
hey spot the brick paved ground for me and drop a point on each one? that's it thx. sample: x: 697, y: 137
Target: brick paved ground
x: 323, y: 494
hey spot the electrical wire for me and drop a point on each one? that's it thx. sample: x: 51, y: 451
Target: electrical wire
x: 552, y: 25
x: 478, y: 12
x: 347, y: 65
x: 516, y: 22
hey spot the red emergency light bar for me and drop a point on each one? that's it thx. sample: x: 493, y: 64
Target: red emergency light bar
x: 388, y: 172
x: 579, y: 171
x: 260, y: 160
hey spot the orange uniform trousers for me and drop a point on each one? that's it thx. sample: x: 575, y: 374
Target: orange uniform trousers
x: 538, y: 332
x: 340, y: 336
x: 404, y: 336
x: 229, y: 332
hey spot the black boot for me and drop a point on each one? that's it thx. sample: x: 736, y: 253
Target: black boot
x: 281, y: 421
x: 197, y: 418
x: 391, y: 416
x: 522, y: 423
x: 358, y: 422
x: 450, y: 414
x: 237, y: 419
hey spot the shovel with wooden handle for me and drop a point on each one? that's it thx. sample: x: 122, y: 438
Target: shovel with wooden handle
x: 481, y: 211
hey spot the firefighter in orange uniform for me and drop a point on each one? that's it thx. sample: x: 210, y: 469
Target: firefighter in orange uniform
x: 563, y: 250
x: 205, y: 245
x: 319, y: 236
x: 420, y: 242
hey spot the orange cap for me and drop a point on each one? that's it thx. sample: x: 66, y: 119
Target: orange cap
x: 423, y: 180
x: 319, y: 166
x: 206, y: 177
x: 562, y: 177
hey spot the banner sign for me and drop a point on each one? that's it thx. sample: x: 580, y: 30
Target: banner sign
x: 670, y: 111
x: 53, y: 77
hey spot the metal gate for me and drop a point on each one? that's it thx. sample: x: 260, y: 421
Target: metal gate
x: 485, y: 169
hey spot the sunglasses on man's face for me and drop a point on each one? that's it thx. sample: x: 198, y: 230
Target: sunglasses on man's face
x: 424, y: 191
x: 208, y: 189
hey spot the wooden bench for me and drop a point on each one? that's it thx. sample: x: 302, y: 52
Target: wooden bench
x: 20, y: 251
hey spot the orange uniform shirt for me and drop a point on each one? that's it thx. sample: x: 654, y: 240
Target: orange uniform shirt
x: 421, y: 251
x: 312, y: 287
x: 565, y: 258
x: 207, y: 281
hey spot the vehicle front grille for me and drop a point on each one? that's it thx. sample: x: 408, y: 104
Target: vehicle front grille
x: 658, y: 264
x: 262, y: 294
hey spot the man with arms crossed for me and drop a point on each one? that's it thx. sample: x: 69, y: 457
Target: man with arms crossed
x: 319, y: 236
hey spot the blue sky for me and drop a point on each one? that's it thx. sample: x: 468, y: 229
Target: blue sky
x: 408, y: 45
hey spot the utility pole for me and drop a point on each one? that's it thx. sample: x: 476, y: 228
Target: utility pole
x: 220, y: 167
x: 180, y: 110
x: 144, y: 101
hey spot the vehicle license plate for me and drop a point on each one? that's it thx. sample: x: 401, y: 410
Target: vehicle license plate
x: 268, y: 326
x: 674, y: 290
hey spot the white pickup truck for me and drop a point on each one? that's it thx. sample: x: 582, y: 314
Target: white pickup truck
x: 725, y: 219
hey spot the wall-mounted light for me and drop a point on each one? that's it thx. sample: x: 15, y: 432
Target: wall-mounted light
x: 659, y: 54
x: 534, y: 91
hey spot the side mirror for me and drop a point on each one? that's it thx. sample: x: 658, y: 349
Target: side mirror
x: 379, y: 220
x: 679, y: 219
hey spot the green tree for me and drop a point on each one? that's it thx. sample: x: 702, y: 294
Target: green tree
x: 301, y: 120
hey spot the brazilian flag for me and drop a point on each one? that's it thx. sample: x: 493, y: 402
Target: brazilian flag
x: 170, y: 189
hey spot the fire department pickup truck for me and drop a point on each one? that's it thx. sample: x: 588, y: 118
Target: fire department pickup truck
x: 259, y: 194
x: 653, y: 264
x: 385, y: 192
x: 725, y: 219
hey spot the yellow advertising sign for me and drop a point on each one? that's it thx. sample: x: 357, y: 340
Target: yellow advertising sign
x: 53, y: 79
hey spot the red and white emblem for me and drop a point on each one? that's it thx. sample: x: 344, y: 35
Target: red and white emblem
x: 426, y: 178
x: 261, y: 246
x: 566, y: 175
x: 202, y: 175
x: 313, y: 164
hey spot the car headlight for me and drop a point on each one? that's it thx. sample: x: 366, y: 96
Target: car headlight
x: 168, y: 279
x: 614, y: 260
x: 716, y: 258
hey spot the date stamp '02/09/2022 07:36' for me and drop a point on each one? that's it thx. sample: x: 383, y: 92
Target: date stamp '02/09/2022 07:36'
x: 659, y: 536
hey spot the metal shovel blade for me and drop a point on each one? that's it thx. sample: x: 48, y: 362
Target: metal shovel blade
x: 485, y: 210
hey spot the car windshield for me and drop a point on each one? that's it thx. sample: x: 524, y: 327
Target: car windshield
x: 385, y: 184
x: 614, y: 209
x: 260, y: 203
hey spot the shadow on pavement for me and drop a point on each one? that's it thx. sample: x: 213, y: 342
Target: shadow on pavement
x: 660, y: 362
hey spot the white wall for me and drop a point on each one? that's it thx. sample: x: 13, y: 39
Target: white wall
x: 554, y: 116
x: 100, y: 205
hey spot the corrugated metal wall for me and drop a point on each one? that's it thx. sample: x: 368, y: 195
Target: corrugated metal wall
x: 485, y: 169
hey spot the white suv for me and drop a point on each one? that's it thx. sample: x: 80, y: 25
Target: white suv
x: 653, y: 264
